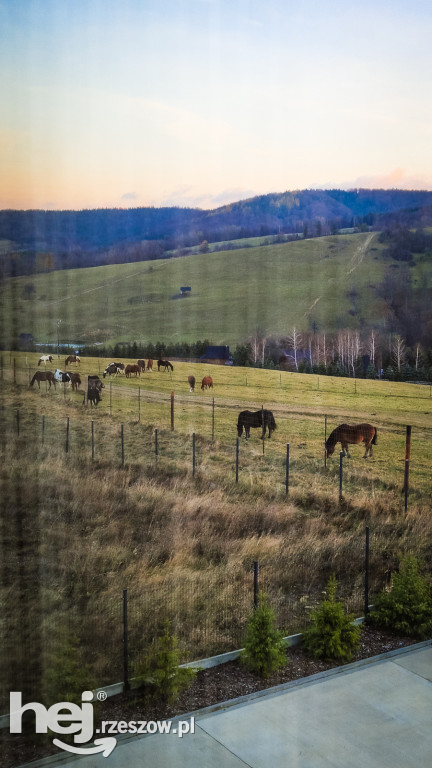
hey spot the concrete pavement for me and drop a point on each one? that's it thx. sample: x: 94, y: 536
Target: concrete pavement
x: 376, y: 712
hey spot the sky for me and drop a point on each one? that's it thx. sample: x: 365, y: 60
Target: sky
x: 200, y: 103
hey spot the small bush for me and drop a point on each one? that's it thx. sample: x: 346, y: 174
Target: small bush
x: 331, y: 636
x: 160, y: 675
x: 264, y: 648
x: 407, y: 608
x: 66, y: 676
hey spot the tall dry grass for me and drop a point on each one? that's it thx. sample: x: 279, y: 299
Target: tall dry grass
x: 76, y: 531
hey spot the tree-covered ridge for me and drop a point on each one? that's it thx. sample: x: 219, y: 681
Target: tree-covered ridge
x: 103, y: 236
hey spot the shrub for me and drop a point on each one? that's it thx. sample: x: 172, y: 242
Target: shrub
x: 264, y: 647
x: 66, y: 676
x: 332, y: 636
x: 407, y: 608
x: 160, y: 674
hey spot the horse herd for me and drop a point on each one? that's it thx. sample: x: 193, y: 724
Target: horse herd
x: 345, y: 434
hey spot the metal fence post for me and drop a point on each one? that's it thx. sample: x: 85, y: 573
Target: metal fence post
x: 325, y: 441
x: 340, y: 474
x: 92, y: 439
x: 193, y: 453
x: 213, y: 411
x: 366, y: 594
x: 67, y: 435
x: 287, y: 468
x: 125, y: 642
x: 237, y: 461
x: 122, y: 445
x: 156, y: 442
x: 172, y: 411
x: 255, y: 572
x: 43, y: 430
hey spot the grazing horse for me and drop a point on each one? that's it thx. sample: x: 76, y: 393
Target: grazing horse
x: 142, y: 364
x: 75, y: 380
x: 132, y: 369
x: 191, y: 382
x: 207, y: 383
x: 43, y: 376
x: 113, y: 368
x: 262, y: 418
x: 94, y: 387
x: 357, y: 433
x: 72, y: 359
x: 63, y: 378
x: 165, y: 364
x: 45, y: 359
x: 150, y: 365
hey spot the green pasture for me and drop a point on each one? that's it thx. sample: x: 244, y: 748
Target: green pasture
x: 303, y: 405
x: 329, y: 282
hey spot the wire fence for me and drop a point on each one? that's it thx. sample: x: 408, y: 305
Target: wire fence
x: 208, y: 612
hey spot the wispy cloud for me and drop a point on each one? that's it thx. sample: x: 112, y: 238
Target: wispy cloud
x: 191, y: 197
x: 398, y: 178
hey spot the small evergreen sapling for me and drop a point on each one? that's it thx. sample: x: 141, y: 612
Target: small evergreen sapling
x: 407, y: 608
x: 160, y: 674
x: 264, y: 650
x: 331, y: 635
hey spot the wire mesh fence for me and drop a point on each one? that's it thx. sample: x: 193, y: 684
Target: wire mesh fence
x: 109, y: 638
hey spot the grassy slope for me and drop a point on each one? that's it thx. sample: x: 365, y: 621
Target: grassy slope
x: 233, y: 294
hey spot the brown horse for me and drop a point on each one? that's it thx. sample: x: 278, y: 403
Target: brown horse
x: 43, y: 376
x: 75, y: 380
x: 191, y: 382
x: 142, y: 364
x: 207, y: 382
x: 72, y: 359
x: 356, y: 433
x: 150, y: 365
x: 136, y: 369
x: 165, y: 364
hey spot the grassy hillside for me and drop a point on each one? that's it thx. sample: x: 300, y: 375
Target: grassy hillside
x: 329, y: 281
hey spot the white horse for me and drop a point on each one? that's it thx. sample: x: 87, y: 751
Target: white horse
x: 45, y: 359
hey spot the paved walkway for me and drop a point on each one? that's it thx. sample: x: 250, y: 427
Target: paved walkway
x: 376, y: 713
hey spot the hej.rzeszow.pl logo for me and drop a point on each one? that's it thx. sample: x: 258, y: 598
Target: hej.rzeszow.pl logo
x: 80, y: 721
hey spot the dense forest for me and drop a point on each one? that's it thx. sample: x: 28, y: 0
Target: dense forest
x: 38, y: 241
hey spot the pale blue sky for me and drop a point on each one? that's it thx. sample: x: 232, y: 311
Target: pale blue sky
x: 201, y: 102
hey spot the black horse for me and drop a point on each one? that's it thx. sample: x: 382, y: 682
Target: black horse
x: 262, y: 418
x: 165, y: 364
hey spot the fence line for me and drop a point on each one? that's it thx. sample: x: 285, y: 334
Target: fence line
x: 208, y: 612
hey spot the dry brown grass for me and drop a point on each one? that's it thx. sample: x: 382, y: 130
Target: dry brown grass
x: 76, y: 531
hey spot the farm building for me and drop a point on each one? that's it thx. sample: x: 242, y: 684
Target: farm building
x: 217, y: 356
x: 289, y: 358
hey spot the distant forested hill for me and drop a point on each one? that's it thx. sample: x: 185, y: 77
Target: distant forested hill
x: 35, y: 241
